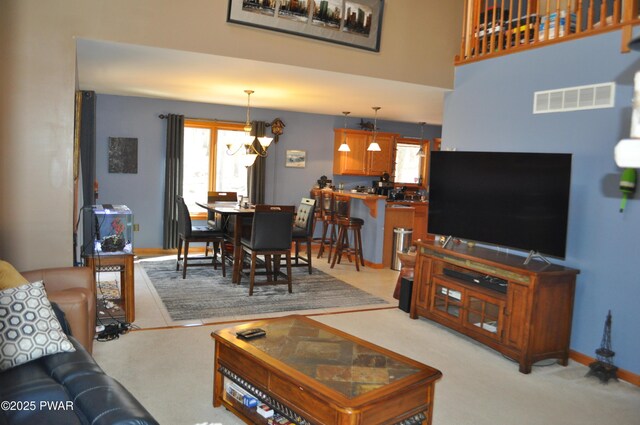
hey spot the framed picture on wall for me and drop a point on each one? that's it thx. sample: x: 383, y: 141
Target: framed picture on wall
x: 354, y: 23
x: 296, y: 159
x: 123, y: 155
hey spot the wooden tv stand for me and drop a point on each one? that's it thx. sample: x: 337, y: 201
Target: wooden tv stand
x: 528, y: 319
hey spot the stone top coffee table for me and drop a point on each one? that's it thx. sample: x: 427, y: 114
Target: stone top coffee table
x: 314, y: 374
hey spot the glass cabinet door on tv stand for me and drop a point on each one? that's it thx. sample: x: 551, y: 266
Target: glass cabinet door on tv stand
x: 472, y: 309
x: 484, y: 314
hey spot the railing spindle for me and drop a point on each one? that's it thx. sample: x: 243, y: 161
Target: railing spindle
x: 579, y: 17
x: 464, y: 42
x: 491, y: 40
x: 547, y: 17
x: 527, y: 30
x: 476, y: 29
x: 503, y: 27
x: 556, y: 23
x: 484, y: 27
x: 568, y: 17
x: 509, y: 36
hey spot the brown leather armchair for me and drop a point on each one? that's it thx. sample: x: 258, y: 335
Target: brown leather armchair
x: 74, y: 290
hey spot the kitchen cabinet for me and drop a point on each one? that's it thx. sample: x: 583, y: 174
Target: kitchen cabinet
x: 420, y: 219
x: 359, y: 161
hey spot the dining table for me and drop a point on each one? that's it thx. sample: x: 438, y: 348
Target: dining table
x: 232, y: 218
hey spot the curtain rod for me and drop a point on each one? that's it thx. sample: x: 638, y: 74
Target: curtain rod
x: 162, y: 116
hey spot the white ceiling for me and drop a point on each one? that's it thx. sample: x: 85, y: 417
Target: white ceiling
x: 132, y: 70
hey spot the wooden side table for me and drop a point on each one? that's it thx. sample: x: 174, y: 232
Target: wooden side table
x: 124, y: 264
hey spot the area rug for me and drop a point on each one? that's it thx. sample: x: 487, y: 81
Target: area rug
x: 206, y: 294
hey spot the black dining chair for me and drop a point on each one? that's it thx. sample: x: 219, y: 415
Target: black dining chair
x: 271, y: 236
x: 188, y: 233
x: 214, y: 221
x: 303, y: 231
x: 213, y: 196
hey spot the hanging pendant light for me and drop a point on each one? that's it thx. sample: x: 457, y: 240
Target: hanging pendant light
x: 250, y: 152
x: 344, y: 147
x: 248, y: 159
x: 374, y: 146
x: 421, y: 152
x: 248, y: 139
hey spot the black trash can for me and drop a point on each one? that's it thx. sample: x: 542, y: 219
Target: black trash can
x: 406, y: 289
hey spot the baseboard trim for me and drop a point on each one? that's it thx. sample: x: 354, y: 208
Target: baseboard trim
x: 623, y: 374
x: 151, y: 252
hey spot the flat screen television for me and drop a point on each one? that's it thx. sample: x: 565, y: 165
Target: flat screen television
x: 517, y: 200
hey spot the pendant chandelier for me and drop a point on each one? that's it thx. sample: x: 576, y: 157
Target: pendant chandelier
x: 374, y: 146
x: 344, y: 147
x: 245, y: 144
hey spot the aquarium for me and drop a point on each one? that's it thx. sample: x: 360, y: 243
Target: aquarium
x: 109, y: 228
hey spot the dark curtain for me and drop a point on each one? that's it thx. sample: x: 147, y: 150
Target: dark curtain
x: 88, y: 146
x: 86, y: 133
x: 257, y: 172
x: 173, y: 179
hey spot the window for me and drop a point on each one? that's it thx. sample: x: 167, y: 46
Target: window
x: 409, y: 165
x: 207, y: 166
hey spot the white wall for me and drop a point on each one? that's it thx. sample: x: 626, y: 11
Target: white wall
x: 37, y: 81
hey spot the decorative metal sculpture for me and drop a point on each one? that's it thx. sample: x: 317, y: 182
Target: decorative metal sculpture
x: 603, y: 367
x: 366, y: 125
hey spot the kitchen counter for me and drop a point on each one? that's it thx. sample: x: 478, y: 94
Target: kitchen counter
x: 409, y: 202
x: 359, y: 195
x: 377, y: 232
x: 369, y: 199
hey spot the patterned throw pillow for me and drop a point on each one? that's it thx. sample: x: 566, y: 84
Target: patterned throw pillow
x: 28, y: 326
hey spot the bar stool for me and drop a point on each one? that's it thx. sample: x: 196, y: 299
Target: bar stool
x: 346, y: 223
x: 328, y: 223
x: 316, y: 195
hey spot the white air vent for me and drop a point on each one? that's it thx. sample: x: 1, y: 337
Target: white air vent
x: 594, y: 96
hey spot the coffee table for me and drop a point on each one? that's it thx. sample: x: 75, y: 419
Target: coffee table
x: 314, y: 374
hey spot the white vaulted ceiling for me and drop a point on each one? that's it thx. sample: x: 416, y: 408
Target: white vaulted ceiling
x: 133, y: 70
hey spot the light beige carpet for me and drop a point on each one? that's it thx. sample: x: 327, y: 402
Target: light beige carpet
x: 171, y: 370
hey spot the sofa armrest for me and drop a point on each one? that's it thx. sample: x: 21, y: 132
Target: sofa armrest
x: 75, y: 304
x: 61, y: 278
x: 72, y: 288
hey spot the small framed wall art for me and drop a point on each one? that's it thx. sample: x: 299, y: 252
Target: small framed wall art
x: 123, y: 155
x: 296, y: 159
x: 354, y: 23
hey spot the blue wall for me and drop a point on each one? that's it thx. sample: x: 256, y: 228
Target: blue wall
x: 119, y: 116
x: 490, y: 109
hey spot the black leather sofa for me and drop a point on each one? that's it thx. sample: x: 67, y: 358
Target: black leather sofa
x: 68, y: 388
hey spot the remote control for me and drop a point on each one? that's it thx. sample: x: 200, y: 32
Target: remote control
x: 251, y: 333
